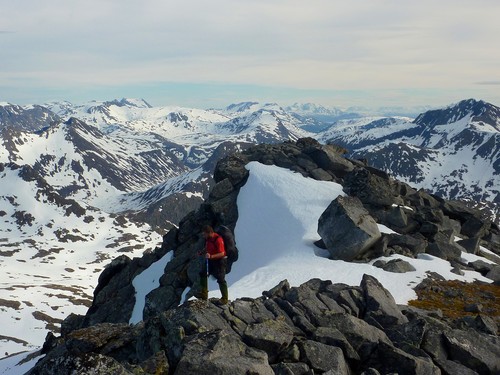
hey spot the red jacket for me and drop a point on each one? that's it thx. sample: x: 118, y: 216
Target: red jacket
x: 215, y: 245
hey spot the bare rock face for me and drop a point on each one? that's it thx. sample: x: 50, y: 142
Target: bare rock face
x: 347, y: 229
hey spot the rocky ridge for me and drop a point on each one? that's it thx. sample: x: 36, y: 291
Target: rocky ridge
x: 319, y: 326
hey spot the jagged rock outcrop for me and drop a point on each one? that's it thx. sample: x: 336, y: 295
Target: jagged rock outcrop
x: 425, y: 223
x: 286, y: 329
x: 306, y: 329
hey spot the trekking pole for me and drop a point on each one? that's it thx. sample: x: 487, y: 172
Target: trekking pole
x: 208, y: 274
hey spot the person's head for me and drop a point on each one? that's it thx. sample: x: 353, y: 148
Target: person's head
x: 208, y: 231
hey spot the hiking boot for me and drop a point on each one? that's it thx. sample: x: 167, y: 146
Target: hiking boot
x: 221, y: 302
x: 224, y: 292
x: 203, y: 292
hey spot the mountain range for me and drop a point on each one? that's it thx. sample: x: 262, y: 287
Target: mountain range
x: 82, y: 184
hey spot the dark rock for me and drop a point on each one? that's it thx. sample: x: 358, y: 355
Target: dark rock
x: 361, y: 336
x: 226, y: 356
x: 471, y: 245
x: 473, y: 308
x: 379, y: 263
x: 221, y: 189
x: 396, y: 216
x: 88, y: 363
x: 411, y: 333
x: 232, y: 168
x: 485, y: 324
x: 480, y: 323
x: 453, y: 368
x: 251, y: 311
x: 398, y: 266
x: 349, y: 298
x: 371, y: 189
x: 71, y: 323
x: 390, y: 359
x: 445, y: 250
x: 347, y: 229
x: 113, y: 297
x: 332, y: 336
x: 481, y: 266
x: 474, y: 350
x: 285, y: 368
x: 322, y: 357
x: 379, y: 303
x: 328, y: 158
x: 321, y: 175
x: 494, y: 274
x: 413, y: 242
x: 156, y: 364
x: 279, y: 290
x: 305, y: 297
x: 475, y: 227
x: 271, y: 336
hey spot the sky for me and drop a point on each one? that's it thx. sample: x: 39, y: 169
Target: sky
x: 208, y: 54
x: 275, y: 234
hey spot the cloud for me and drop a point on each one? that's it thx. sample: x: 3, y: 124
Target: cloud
x: 488, y: 83
x: 321, y: 44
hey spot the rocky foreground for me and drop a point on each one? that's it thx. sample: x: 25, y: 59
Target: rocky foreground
x: 316, y: 328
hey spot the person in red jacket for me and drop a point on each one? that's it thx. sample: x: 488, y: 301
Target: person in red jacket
x: 217, y: 260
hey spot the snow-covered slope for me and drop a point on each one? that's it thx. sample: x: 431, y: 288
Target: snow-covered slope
x: 52, y: 250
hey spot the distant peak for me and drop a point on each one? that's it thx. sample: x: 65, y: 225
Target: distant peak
x: 454, y: 112
x: 240, y: 107
x: 130, y: 102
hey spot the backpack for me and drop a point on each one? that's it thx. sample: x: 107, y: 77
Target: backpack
x: 229, y: 245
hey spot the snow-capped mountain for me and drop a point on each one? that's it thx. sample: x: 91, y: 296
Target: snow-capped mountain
x: 29, y: 118
x: 453, y: 152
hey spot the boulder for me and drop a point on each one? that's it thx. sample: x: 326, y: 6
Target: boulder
x: 389, y: 359
x: 227, y: 355
x: 396, y: 216
x: 379, y: 303
x: 445, y: 250
x: 481, y: 266
x: 478, y: 352
x: 328, y: 158
x: 332, y: 336
x: 362, y: 336
x: 322, y: 358
x: 371, y: 189
x: 271, y: 336
x: 397, y: 266
x: 494, y: 274
x: 347, y: 229
x: 471, y: 245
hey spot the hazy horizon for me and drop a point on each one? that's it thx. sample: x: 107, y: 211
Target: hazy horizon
x: 210, y: 54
